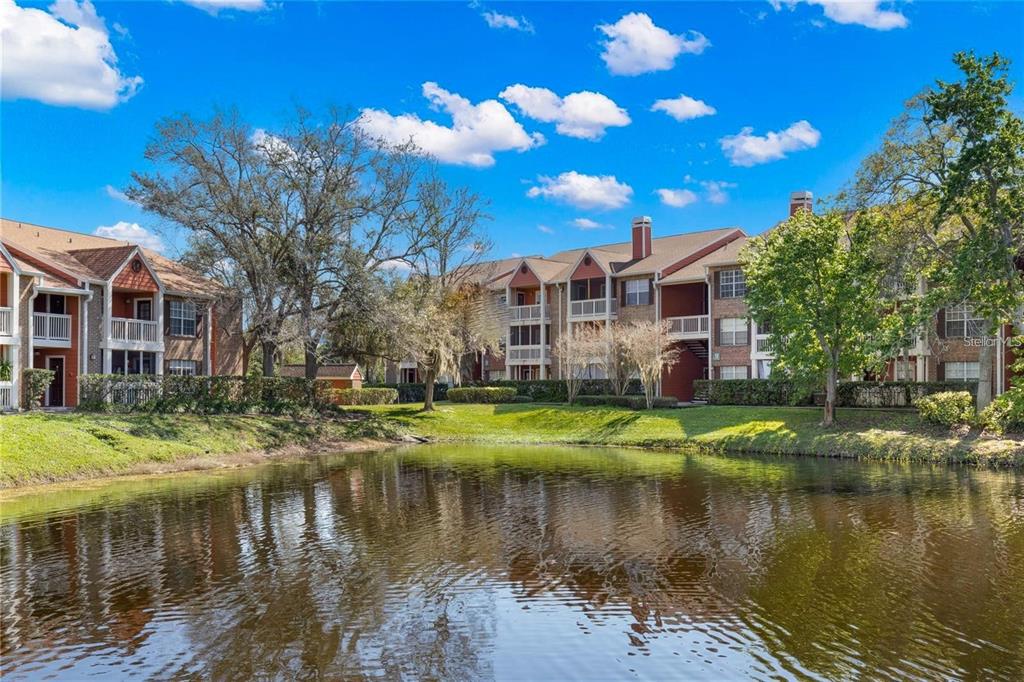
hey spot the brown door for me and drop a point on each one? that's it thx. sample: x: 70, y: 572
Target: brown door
x: 55, y: 393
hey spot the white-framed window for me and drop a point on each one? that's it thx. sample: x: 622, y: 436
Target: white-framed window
x: 963, y: 322
x: 962, y: 371
x: 183, y: 368
x: 733, y: 371
x: 638, y: 292
x: 183, y: 318
x: 732, y: 284
x: 732, y: 331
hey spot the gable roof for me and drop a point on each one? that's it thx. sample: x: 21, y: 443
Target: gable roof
x: 726, y: 255
x: 92, y: 258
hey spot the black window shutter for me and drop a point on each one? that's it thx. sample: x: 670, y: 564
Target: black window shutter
x: 718, y: 285
x: 167, y: 318
x: 940, y: 325
x: 622, y: 292
x: 940, y: 371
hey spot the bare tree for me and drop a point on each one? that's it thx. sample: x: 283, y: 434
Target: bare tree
x: 652, y: 352
x: 576, y: 351
x: 611, y: 355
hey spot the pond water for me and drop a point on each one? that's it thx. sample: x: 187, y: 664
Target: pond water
x: 463, y: 562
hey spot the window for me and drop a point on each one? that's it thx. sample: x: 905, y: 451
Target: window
x: 962, y: 371
x: 732, y: 331
x: 183, y: 318
x: 638, y: 292
x: 733, y: 372
x: 408, y: 375
x: 962, y: 322
x: 764, y: 369
x: 182, y: 368
x: 906, y: 371
x: 732, y: 284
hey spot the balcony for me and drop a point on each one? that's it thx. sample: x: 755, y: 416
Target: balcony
x: 689, y: 326
x: 526, y: 355
x: 593, y: 309
x: 528, y: 313
x: 6, y: 395
x: 762, y: 344
x: 138, y: 331
x: 6, y: 322
x: 51, y: 330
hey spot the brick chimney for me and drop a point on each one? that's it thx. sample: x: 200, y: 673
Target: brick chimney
x: 641, y: 237
x: 801, y: 201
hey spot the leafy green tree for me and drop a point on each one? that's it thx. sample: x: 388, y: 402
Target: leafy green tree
x: 819, y: 280
x: 950, y: 172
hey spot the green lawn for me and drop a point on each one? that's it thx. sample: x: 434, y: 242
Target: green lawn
x: 875, y: 434
x: 41, y: 448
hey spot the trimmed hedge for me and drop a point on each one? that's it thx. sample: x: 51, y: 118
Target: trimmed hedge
x: 949, y: 408
x: 1005, y: 414
x: 414, y: 393
x: 200, y: 394
x: 482, y: 394
x: 366, y: 396
x: 848, y: 393
x: 751, y: 392
x: 554, y: 390
x: 633, y: 402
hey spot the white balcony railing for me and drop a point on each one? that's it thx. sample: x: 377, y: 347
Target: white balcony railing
x: 689, y: 326
x: 593, y: 308
x: 528, y: 313
x: 51, y: 327
x: 6, y: 322
x: 762, y: 344
x: 6, y: 395
x: 125, y: 329
x: 519, y: 355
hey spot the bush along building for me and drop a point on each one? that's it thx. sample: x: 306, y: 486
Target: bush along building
x: 695, y: 283
x: 80, y: 304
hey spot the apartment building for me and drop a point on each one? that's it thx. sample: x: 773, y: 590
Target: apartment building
x: 81, y: 304
x: 693, y: 281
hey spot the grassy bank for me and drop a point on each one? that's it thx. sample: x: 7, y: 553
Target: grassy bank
x: 44, y: 448
x: 869, y: 434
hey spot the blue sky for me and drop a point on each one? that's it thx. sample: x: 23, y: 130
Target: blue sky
x: 801, y: 91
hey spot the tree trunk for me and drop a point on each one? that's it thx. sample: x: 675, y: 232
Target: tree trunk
x: 311, y: 362
x: 830, y: 396
x: 985, y: 361
x: 269, y: 348
x: 429, y: 377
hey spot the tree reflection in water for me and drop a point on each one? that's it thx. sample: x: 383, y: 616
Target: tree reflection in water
x: 455, y: 562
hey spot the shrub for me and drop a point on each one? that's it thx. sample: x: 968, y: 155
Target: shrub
x: 414, y: 393
x: 554, y: 390
x: 482, y: 394
x: 366, y: 396
x: 848, y: 393
x: 35, y: 382
x: 200, y: 394
x: 1005, y: 414
x: 633, y: 402
x: 949, y: 408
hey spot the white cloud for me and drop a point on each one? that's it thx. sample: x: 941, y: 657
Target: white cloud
x: 115, y: 193
x: 582, y: 114
x: 635, y: 45
x: 131, y: 232
x: 545, y: 229
x: 715, y: 190
x: 477, y: 131
x: 747, y: 149
x: 677, y: 198
x: 498, y: 20
x: 684, y: 108
x: 583, y: 191
x: 215, y: 6
x: 61, y: 56
x: 588, y: 224
x: 862, y: 12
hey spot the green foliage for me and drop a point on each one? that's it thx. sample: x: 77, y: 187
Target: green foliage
x: 413, y: 393
x: 949, y: 408
x: 895, y: 393
x: 632, y: 402
x: 1005, y: 414
x: 6, y: 370
x: 751, y: 392
x: 555, y: 390
x: 35, y: 382
x: 366, y: 396
x: 482, y: 394
x: 200, y: 394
